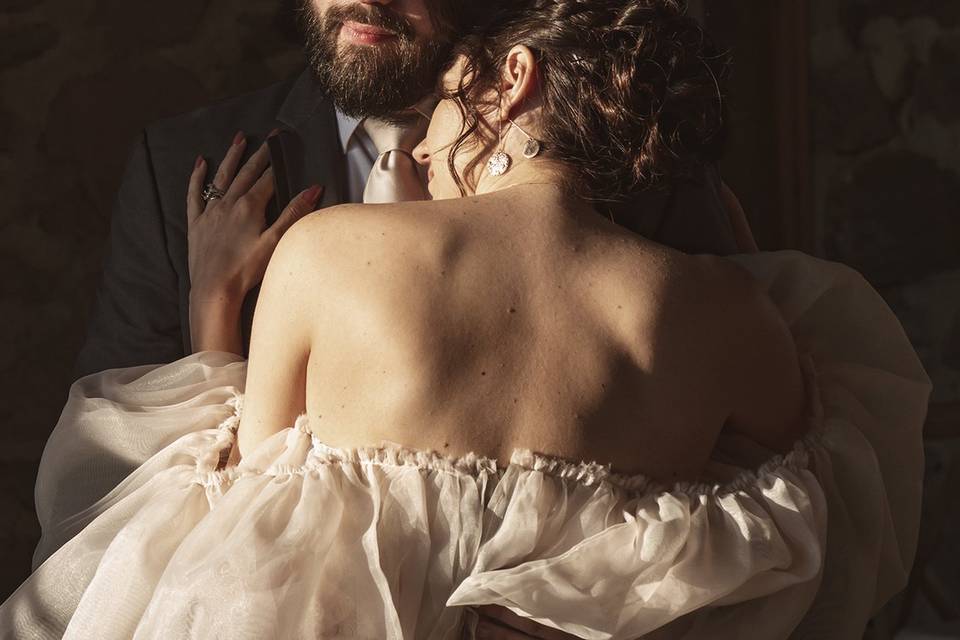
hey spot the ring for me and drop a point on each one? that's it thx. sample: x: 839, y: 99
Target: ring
x: 211, y: 192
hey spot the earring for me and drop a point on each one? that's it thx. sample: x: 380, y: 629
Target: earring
x: 499, y: 163
x: 532, y: 148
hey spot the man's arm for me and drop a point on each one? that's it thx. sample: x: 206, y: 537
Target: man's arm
x: 136, y: 317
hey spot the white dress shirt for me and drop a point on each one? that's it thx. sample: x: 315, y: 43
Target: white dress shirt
x: 360, y: 153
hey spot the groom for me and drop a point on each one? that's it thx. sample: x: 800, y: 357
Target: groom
x: 141, y: 314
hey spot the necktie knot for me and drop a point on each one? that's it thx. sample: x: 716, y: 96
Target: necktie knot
x: 395, y: 176
x: 388, y: 137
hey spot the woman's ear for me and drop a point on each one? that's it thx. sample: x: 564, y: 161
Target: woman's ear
x: 519, y: 82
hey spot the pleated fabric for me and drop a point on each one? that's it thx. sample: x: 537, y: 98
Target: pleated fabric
x: 146, y: 535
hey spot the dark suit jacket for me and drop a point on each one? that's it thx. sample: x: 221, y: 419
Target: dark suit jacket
x: 141, y: 311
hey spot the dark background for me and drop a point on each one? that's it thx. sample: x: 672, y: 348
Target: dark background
x: 846, y: 144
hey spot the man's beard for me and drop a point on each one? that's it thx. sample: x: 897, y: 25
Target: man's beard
x: 379, y: 81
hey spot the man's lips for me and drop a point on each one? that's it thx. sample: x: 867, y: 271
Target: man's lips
x: 360, y: 33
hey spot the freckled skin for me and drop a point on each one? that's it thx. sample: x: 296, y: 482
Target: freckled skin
x: 543, y: 328
x: 516, y: 317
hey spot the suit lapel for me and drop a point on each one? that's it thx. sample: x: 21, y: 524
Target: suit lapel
x: 307, y: 150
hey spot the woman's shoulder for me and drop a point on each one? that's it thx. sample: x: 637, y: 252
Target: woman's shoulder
x: 350, y: 251
x: 350, y: 224
x: 347, y: 232
x: 714, y: 292
x: 754, y: 345
x: 355, y: 221
x: 703, y: 314
x: 687, y: 283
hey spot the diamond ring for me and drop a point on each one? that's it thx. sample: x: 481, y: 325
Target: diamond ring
x: 211, y: 192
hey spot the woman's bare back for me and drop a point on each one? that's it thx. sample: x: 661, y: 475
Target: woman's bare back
x: 505, y: 322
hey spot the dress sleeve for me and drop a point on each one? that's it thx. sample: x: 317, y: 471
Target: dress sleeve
x: 875, y: 394
x: 789, y: 545
x: 117, y: 419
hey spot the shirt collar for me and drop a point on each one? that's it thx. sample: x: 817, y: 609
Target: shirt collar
x: 347, y: 126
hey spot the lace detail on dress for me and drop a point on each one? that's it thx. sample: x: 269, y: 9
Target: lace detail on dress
x: 470, y: 464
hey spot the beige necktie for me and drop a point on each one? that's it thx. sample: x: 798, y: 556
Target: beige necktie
x: 395, y: 176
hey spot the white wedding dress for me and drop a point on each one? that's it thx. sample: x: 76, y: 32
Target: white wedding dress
x: 143, y: 536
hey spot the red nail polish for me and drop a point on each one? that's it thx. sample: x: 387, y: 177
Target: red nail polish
x: 237, y: 139
x: 314, y: 192
x: 199, y: 162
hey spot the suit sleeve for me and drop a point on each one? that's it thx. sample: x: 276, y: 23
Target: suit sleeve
x: 136, y: 317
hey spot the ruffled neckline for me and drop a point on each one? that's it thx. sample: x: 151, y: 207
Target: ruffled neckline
x: 583, y: 472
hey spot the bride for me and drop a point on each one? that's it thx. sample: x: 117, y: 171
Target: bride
x: 501, y: 398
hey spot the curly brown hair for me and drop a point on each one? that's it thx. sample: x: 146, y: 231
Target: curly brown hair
x: 631, y: 89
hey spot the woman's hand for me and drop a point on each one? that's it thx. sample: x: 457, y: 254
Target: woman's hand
x: 229, y: 244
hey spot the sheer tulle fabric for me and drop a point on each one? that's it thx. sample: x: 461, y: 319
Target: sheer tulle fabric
x: 145, y: 536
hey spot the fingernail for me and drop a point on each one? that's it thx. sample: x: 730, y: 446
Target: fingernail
x: 198, y: 163
x: 313, y: 193
x: 237, y: 139
x: 274, y: 132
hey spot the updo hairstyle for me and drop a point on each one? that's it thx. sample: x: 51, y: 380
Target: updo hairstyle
x: 632, y: 90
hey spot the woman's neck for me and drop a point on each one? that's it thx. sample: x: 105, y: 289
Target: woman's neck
x: 541, y: 172
x: 541, y: 186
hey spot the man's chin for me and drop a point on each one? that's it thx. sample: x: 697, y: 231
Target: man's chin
x: 365, y: 55
x: 379, y: 77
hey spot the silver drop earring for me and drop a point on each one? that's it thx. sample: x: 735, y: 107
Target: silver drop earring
x: 532, y: 148
x: 499, y: 163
